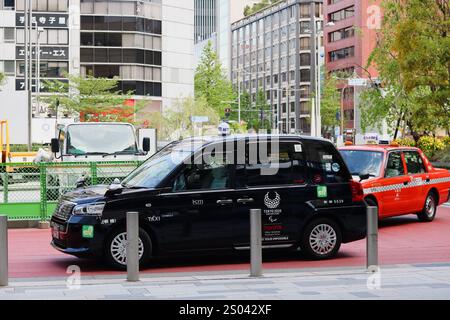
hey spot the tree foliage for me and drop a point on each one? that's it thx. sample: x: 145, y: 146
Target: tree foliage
x: 211, y: 83
x: 413, y: 59
x: 2, y: 78
x: 91, y: 96
x: 257, y: 115
x: 249, y: 10
x: 330, y: 103
x: 175, y: 123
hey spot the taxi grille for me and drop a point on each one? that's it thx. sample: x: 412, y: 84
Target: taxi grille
x: 64, y: 210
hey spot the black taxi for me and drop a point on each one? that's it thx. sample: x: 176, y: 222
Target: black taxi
x: 194, y: 196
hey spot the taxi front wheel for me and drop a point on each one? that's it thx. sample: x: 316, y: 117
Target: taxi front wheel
x: 116, y: 244
x: 428, y: 212
x: 321, y: 239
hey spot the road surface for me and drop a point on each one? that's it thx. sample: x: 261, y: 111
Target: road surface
x: 402, y: 240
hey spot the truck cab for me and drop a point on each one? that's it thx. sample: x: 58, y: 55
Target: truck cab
x: 110, y: 145
x: 88, y: 142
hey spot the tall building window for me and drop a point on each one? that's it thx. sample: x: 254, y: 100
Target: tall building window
x: 7, y: 67
x: 341, y: 34
x: 8, y: 34
x: 305, y: 59
x: 8, y: 4
x: 305, y: 43
x: 305, y: 10
x: 343, y: 53
x: 305, y: 75
x: 342, y: 14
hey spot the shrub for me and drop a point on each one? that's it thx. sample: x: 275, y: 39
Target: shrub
x: 446, y: 141
x: 430, y: 145
x: 442, y: 156
x: 406, y: 142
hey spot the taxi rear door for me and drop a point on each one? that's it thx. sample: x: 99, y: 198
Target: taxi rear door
x: 417, y: 172
x: 394, y: 193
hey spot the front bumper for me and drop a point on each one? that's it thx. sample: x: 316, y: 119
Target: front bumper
x: 67, y: 236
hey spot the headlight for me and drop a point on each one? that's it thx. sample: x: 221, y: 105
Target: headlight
x: 90, y: 209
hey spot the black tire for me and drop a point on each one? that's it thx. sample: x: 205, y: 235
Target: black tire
x: 115, y: 260
x: 315, y: 229
x: 429, y: 210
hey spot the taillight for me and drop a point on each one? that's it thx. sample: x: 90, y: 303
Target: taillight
x: 357, y: 191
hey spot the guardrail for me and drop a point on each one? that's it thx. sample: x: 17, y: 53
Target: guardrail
x: 30, y: 191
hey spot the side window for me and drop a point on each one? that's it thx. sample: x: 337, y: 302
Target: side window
x: 414, y: 162
x: 286, y: 167
x: 325, y: 164
x: 214, y: 175
x: 394, y: 166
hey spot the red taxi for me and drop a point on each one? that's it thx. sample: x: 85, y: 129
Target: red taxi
x: 398, y: 180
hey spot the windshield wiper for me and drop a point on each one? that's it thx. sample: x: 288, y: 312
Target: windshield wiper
x: 90, y: 154
x: 118, y: 153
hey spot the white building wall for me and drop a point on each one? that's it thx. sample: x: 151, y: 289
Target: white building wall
x: 74, y: 37
x: 177, y: 50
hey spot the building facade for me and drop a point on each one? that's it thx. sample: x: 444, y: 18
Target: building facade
x: 278, y: 50
x: 213, y: 23
x: 350, y: 36
x: 147, y: 44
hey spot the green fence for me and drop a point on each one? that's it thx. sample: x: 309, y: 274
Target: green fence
x: 30, y: 191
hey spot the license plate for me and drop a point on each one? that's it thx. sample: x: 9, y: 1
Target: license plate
x: 56, y: 230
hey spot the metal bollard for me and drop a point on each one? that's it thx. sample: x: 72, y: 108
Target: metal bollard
x: 372, y: 237
x: 133, y: 246
x: 3, y: 250
x: 255, y: 243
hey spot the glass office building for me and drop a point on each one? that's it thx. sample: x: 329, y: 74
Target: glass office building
x: 276, y: 50
x: 146, y: 44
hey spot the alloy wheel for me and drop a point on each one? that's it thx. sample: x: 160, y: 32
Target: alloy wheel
x: 323, y: 239
x: 119, y: 248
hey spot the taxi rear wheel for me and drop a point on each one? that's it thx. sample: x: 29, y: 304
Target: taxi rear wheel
x: 428, y: 212
x: 115, y: 248
x: 321, y: 239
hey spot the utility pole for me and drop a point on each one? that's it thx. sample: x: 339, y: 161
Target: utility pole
x: 29, y: 57
x: 239, y: 97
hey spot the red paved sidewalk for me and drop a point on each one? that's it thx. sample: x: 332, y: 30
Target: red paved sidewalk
x: 402, y: 240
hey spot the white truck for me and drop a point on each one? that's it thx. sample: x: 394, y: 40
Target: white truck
x: 100, y: 143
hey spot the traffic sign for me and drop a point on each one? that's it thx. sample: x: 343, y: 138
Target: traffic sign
x: 357, y: 82
x: 199, y: 119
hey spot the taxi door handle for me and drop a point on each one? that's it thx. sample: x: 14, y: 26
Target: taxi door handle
x: 406, y: 183
x: 224, y: 202
x: 246, y: 200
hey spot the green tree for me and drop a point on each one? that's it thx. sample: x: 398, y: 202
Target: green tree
x: 176, y: 123
x: 257, y: 115
x: 249, y: 10
x: 413, y: 59
x: 2, y: 78
x: 90, y: 96
x: 211, y: 83
x: 330, y: 104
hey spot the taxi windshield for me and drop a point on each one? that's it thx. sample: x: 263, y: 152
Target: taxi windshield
x: 152, y: 172
x: 362, y: 162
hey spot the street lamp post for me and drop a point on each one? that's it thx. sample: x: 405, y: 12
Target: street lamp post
x: 342, y: 108
x: 30, y: 64
x: 316, y: 117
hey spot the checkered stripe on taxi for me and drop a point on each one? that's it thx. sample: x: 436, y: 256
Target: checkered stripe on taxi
x: 399, y: 186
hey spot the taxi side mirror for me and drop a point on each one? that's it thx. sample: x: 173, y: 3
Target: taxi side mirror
x: 364, y: 177
x: 146, y: 144
x: 55, y: 145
